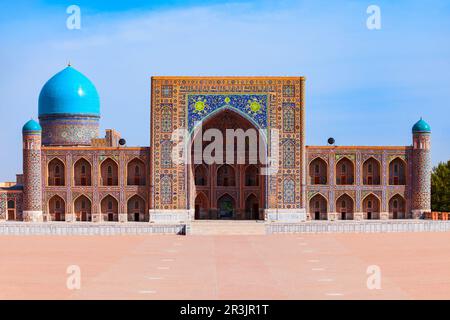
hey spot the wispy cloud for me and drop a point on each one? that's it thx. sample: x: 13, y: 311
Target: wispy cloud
x: 363, y: 87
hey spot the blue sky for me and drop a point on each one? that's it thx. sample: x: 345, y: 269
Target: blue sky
x: 364, y: 87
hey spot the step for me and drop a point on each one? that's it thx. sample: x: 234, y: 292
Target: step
x: 214, y: 227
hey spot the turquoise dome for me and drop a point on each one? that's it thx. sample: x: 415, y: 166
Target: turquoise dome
x: 421, y: 126
x: 69, y: 92
x: 31, y: 126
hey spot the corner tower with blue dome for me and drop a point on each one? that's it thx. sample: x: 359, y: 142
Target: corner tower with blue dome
x: 421, y: 171
x: 69, y: 109
x: 32, y: 172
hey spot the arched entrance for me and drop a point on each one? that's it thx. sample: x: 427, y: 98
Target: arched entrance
x: 252, y: 207
x: 201, y: 207
x: 318, y: 207
x: 136, y: 209
x: 226, y: 207
x: 57, y: 208
x: 344, y: 207
x: 83, y: 209
x: 397, y: 207
x: 371, y: 207
x: 227, y: 171
x: 110, y: 208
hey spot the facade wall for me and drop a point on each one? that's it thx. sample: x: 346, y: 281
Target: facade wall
x: 358, y: 191
x: 97, y: 191
x: 268, y: 104
x: 421, y: 172
x: 69, y: 130
x: 32, y: 176
x: 281, y: 107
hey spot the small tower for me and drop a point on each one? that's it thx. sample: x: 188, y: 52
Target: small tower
x: 32, y: 188
x: 421, y: 168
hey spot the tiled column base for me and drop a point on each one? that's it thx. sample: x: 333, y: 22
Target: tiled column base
x: 171, y: 216
x: 285, y: 215
x: 33, y: 216
x: 358, y: 216
x: 384, y: 215
x: 97, y: 217
x: 332, y: 216
x: 123, y: 217
x: 70, y: 217
x: 417, y: 214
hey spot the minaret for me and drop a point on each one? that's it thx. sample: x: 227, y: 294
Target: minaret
x: 32, y: 187
x: 421, y: 169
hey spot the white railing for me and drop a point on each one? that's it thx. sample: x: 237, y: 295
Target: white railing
x: 359, y: 226
x: 88, y: 228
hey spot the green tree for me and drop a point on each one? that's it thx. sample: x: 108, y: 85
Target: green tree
x: 440, y: 187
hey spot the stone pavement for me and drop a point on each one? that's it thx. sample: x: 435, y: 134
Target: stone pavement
x: 298, y: 266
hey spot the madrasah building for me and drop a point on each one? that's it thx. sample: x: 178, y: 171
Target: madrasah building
x: 72, y: 174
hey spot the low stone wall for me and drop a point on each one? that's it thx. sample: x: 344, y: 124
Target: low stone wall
x: 359, y: 226
x: 88, y: 228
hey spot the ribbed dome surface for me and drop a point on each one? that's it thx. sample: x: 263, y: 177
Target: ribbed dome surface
x: 31, y: 126
x: 421, y: 126
x: 69, y: 92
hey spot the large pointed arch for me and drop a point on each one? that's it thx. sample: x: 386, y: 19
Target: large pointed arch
x: 221, y: 176
x: 213, y: 114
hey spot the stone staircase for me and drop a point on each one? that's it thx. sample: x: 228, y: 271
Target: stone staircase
x: 227, y: 227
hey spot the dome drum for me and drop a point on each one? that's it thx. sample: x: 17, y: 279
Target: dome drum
x: 69, y: 130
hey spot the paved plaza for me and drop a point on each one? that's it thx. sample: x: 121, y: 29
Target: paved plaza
x: 300, y: 266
